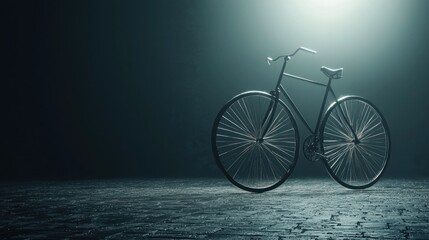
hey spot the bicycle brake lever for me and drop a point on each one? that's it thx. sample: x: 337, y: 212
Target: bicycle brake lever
x: 269, y: 60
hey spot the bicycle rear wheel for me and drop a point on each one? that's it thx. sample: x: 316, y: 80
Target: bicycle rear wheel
x: 355, y: 164
x: 248, y: 162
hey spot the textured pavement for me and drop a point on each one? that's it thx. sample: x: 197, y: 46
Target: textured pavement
x: 213, y: 209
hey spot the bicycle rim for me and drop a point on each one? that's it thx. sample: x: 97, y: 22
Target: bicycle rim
x: 249, y: 164
x: 355, y: 165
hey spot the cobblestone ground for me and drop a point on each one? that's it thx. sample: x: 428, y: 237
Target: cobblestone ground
x: 213, y: 209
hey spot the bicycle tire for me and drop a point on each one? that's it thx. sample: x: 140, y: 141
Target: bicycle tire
x: 248, y: 164
x: 355, y: 164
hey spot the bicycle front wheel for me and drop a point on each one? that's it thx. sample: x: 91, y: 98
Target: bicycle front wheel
x: 355, y: 163
x: 247, y: 161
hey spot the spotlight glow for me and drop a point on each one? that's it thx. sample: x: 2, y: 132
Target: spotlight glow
x: 328, y: 11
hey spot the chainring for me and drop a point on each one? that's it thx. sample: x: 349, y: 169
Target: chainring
x: 311, y: 148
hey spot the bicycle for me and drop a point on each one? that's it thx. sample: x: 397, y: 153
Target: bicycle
x: 255, y: 139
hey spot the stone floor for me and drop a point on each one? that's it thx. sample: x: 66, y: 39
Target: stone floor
x: 213, y: 209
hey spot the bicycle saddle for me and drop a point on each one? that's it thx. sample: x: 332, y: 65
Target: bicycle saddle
x: 332, y: 73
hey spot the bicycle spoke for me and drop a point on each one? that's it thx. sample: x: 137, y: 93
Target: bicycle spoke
x: 235, y: 148
x: 242, y: 127
x: 239, y: 158
x: 247, y: 114
x: 238, y: 133
x: 271, y: 164
x: 282, y: 160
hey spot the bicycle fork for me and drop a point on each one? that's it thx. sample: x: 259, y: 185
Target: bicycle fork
x: 269, y: 116
x: 272, y: 107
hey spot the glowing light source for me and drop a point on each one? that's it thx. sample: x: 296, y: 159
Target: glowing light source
x: 325, y: 11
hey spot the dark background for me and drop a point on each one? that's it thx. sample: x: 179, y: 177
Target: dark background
x: 100, y: 89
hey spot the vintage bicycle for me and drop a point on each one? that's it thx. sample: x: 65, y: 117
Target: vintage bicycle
x: 255, y: 139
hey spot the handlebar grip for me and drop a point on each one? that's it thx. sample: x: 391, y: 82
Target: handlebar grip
x: 308, y: 50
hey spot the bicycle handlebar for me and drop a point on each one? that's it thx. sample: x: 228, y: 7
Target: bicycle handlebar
x: 269, y: 59
x: 304, y: 49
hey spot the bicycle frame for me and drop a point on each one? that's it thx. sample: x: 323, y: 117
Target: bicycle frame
x: 280, y: 88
